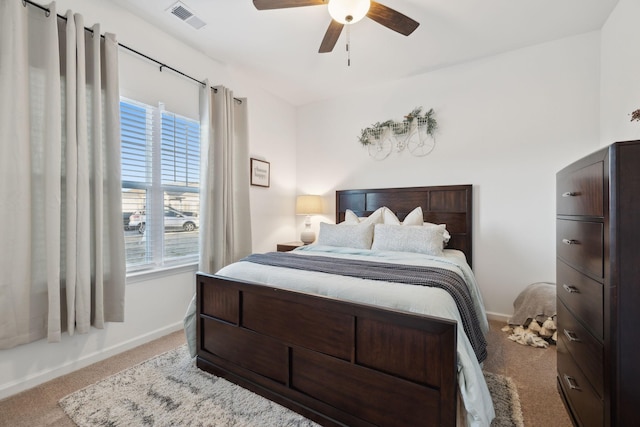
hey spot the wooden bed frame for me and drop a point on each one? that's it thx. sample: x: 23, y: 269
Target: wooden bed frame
x: 336, y: 362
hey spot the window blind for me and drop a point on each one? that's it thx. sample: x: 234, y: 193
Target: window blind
x: 160, y: 186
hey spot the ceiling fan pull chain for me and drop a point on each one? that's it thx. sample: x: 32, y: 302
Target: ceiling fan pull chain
x: 348, y: 45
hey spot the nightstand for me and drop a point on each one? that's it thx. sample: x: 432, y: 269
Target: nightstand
x: 289, y: 246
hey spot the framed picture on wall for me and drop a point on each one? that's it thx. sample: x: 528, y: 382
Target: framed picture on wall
x: 260, y: 173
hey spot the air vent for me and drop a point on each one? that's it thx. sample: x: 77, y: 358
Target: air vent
x: 185, y: 14
x: 181, y: 12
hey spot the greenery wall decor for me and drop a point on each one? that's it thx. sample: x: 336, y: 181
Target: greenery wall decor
x: 416, y: 132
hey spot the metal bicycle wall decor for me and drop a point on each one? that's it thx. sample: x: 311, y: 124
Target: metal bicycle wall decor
x: 415, y: 133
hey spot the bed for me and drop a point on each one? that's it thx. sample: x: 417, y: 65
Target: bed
x: 351, y: 349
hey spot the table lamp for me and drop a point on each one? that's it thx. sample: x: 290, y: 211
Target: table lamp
x: 308, y: 205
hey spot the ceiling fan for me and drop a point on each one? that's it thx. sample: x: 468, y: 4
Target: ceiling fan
x: 346, y: 12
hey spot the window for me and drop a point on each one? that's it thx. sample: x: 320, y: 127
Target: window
x: 160, y: 186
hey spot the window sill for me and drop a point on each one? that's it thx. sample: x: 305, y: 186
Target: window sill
x: 142, y: 276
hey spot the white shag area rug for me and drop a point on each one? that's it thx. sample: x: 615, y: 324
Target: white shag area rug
x: 506, y: 401
x: 169, y: 390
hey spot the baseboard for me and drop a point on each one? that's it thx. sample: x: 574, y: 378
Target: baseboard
x: 42, y: 377
x: 498, y: 316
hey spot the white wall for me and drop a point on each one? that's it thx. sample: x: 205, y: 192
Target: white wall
x: 155, y: 305
x: 273, y: 133
x: 508, y: 124
x: 153, y: 308
x: 620, y: 65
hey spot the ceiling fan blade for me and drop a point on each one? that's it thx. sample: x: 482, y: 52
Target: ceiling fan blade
x: 331, y: 37
x: 282, y: 4
x: 391, y: 19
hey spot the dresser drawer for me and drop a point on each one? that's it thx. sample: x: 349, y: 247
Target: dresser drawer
x: 580, y: 192
x: 580, y: 244
x: 587, y: 407
x: 583, y: 297
x: 585, y: 349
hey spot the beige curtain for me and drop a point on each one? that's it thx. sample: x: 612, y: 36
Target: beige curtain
x: 224, y: 199
x: 62, y: 254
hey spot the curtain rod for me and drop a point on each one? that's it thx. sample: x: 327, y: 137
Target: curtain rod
x: 162, y: 65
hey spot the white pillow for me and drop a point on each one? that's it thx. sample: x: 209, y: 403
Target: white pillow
x: 409, y: 238
x: 413, y: 218
x: 350, y: 217
x: 357, y: 236
x: 446, y: 234
x: 376, y: 217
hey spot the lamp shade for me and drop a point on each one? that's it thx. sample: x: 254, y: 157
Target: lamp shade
x: 348, y: 11
x: 308, y: 205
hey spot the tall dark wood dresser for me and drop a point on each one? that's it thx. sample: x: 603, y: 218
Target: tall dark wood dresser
x: 598, y: 286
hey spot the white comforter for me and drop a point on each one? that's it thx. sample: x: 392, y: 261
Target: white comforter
x: 415, y: 299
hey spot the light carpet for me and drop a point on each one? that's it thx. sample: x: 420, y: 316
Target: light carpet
x: 169, y: 390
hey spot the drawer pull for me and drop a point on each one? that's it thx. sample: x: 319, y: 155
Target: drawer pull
x: 572, y: 383
x: 569, y: 194
x: 569, y: 241
x: 570, y: 289
x: 571, y: 336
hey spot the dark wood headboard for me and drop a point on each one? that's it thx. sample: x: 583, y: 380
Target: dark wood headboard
x: 448, y: 204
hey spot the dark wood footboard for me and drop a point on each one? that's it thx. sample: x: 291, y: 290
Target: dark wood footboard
x: 335, y: 362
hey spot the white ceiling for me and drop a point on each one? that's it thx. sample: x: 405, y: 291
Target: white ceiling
x: 280, y: 47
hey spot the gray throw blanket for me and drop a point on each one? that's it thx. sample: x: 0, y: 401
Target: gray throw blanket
x: 396, y: 273
x: 537, y: 301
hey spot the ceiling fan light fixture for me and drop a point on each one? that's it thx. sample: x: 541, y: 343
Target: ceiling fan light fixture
x: 348, y: 11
